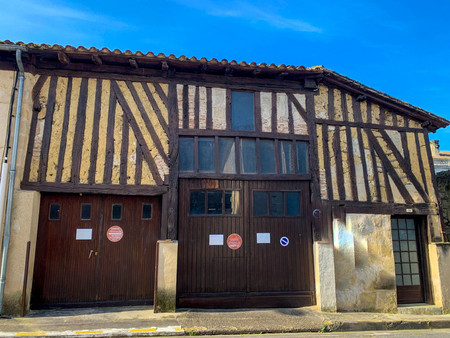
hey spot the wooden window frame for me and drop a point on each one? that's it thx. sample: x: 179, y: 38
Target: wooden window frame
x: 230, y: 110
x: 81, y: 212
x: 216, y: 174
x: 112, y: 211
x: 142, y: 211
x: 239, y: 214
x: 49, y: 212
x: 285, y: 215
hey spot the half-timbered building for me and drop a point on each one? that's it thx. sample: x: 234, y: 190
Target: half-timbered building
x: 189, y: 182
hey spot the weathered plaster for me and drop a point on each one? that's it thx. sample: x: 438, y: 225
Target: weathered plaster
x: 103, y: 126
x: 321, y: 102
x: 349, y: 102
x: 166, y: 276
x: 360, y: 186
x: 219, y: 96
x: 266, y: 111
x: 300, y: 126
x: 282, y: 113
x: 364, y: 263
x: 202, y: 108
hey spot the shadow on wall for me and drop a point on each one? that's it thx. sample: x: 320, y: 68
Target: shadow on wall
x: 443, y: 183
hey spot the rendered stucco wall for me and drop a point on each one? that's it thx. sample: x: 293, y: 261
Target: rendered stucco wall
x: 364, y: 263
x: 24, y: 214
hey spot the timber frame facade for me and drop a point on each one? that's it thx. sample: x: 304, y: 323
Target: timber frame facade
x: 121, y: 123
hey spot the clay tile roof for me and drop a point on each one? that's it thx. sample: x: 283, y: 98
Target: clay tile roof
x: 328, y: 75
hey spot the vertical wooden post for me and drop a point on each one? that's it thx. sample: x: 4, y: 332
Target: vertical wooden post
x: 172, y: 202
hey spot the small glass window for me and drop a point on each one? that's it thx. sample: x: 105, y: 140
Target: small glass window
x: 197, y: 203
x: 54, y: 212
x: 267, y: 155
x: 214, y: 202
x: 206, y: 154
x: 276, y: 204
x: 248, y: 156
x: 293, y: 203
x: 146, y: 211
x: 85, y: 212
x: 260, y: 203
x: 285, y: 151
x: 227, y: 158
x: 231, y: 202
x: 186, y: 150
x: 116, y: 212
x: 302, y: 158
x: 242, y: 111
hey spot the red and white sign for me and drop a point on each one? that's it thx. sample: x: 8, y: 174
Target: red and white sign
x: 115, y: 233
x: 234, y: 241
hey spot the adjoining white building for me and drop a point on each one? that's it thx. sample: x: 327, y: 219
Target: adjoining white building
x: 441, y: 158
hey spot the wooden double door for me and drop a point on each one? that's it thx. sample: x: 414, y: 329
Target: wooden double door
x: 95, y: 249
x: 244, y: 244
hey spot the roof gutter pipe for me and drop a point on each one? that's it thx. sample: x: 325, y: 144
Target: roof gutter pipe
x: 12, y: 171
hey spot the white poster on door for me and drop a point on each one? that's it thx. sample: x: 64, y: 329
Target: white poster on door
x: 263, y: 238
x: 215, y: 239
x: 84, y: 234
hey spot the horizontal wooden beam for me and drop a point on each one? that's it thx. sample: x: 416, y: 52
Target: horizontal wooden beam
x: 247, y: 134
x: 386, y: 208
x: 95, y: 189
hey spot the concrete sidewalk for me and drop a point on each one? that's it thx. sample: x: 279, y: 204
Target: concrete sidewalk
x: 141, y: 321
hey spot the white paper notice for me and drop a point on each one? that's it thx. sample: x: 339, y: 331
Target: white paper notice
x: 84, y: 234
x: 215, y: 239
x: 263, y: 237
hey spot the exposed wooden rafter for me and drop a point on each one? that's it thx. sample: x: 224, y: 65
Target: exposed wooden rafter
x: 63, y: 58
x: 97, y: 59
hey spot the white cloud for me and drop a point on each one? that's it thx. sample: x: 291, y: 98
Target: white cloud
x: 246, y: 11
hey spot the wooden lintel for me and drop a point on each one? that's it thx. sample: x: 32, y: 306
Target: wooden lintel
x: 115, y: 189
x: 63, y: 58
x: 133, y: 63
x: 97, y: 59
x: 203, y: 68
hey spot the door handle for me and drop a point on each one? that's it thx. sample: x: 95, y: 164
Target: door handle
x: 90, y: 253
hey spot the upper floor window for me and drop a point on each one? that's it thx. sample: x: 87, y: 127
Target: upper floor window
x: 242, y: 111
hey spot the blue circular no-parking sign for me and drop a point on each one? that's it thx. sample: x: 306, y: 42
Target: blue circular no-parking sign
x: 284, y: 241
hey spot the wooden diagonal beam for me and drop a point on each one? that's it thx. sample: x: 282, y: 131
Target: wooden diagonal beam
x: 404, y: 166
x: 137, y: 133
x: 297, y: 105
x: 389, y: 167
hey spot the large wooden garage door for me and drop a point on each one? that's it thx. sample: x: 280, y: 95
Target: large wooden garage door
x: 95, y: 249
x: 245, y: 244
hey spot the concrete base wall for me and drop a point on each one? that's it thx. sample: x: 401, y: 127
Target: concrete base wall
x: 325, y: 277
x: 364, y: 264
x: 166, y: 276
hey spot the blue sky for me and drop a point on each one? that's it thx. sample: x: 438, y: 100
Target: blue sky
x: 399, y: 47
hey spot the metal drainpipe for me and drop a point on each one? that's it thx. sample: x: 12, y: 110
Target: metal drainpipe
x: 12, y: 171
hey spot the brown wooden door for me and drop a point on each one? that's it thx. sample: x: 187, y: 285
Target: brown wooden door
x: 77, y: 263
x: 408, y: 260
x: 258, y: 273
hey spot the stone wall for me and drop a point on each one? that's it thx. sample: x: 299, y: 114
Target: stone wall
x: 364, y: 263
x: 443, y: 183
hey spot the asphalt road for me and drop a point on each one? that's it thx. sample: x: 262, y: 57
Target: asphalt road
x: 391, y: 334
